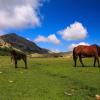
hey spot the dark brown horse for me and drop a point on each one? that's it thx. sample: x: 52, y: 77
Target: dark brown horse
x: 16, y: 55
x: 82, y: 51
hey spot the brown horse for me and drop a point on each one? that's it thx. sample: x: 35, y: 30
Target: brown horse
x: 82, y: 51
x: 16, y: 55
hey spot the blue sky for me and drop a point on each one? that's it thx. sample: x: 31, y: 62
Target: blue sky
x: 57, y: 25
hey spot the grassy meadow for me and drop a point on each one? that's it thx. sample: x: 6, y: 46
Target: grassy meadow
x: 48, y: 79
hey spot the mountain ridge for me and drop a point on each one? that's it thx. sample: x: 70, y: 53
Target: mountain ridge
x: 21, y: 43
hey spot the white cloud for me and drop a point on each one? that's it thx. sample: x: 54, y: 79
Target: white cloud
x: 19, y: 13
x: 51, y: 38
x: 74, y: 32
x: 70, y: 47
x: 41, y: 39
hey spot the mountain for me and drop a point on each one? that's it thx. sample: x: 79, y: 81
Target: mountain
x: 21, y: 43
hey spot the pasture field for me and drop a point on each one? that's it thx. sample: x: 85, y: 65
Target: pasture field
x: 48, y: 79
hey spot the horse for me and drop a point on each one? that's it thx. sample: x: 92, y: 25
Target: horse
x: 17, y: 55
x: 83, y: 51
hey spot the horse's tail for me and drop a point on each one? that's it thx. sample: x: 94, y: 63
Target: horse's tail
x: 74, y: 56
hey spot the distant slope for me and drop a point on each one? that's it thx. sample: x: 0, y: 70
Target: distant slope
x: 53, y: 55
x: 21, y: 43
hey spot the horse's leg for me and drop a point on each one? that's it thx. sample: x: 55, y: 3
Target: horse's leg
x: 94, y: 61
x: 15, y: 63
x: 25, y: 61
x: 97, y: 60
x: 81, y: 61
x: 25, y: 64
x: 75, y: 60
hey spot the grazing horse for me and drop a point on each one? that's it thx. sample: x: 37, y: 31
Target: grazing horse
x: 16, y: 55
x: 83, y: 51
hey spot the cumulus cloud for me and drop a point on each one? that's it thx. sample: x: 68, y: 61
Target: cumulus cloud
x: 74, y: 32
x: 19, y: 13
x: 41, y: 38
x: 70, y: 47
x: 51, y: 38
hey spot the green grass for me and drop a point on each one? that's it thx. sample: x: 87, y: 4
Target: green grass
x: 48, y: 79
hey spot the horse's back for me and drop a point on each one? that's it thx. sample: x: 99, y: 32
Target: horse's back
x: 86, y: 50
